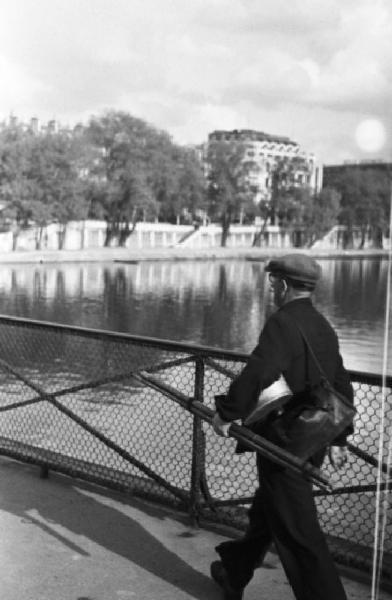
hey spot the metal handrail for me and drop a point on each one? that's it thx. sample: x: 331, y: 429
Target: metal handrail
x: 192, y: 349
x: 118, y: 336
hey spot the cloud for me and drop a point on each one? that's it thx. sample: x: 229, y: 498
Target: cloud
x: 17, y: 86
x: 349, y: 74
x: 270, y: 17
x: 191, y: 67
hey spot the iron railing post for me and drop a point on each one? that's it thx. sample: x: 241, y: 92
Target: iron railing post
x: 198, y: 445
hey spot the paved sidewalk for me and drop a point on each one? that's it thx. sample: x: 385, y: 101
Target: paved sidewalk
x: 62, y: 539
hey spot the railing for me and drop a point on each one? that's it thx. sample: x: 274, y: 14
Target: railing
x: 128, y: 412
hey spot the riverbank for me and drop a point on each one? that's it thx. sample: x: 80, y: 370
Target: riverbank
x: 127, y: 255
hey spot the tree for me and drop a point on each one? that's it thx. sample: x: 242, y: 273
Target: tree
x: 288, y: 175
x: 229, y: 189
x: 139, y: 174
x: 372, y: 212
x: 290, y: 193
x: 121, y: 190
x: 15, y: 186
x: 321, y: 213
x: 192, y: 184
x: 365, y: 194
x: 183, y: 194
x: 55, y: 167
x: 40, y: 180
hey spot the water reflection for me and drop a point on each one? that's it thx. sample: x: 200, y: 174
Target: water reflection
x: 222, y: 304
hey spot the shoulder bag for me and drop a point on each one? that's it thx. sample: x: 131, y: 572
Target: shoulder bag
x: 314, y: 422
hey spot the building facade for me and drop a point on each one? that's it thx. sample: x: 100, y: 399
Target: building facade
x: 36, y: 127
x: 332, y: 173
x: 266, y: 151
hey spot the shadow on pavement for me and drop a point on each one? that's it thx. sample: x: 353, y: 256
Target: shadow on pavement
x: 59, y: 502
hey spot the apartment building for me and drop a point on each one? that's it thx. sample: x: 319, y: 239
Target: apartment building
x: 266, y: 151
x: 333, y: 173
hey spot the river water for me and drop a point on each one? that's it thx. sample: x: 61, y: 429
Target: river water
x: 212, y: 303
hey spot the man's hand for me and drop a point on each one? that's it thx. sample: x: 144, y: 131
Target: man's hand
x: 220, y: 426
x: 337, y: 456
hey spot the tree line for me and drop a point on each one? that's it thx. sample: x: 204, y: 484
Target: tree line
x: 123, y: 170
x: 117, y: 168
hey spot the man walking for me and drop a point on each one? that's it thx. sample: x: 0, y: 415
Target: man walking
x: 283, y: 510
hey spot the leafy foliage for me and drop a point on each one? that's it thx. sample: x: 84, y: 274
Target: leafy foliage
x: 141, y: 174
x: 39, y: 179
x: 118, y: 168
x: 290, y: 198
x: 365, y: 202
x: 321, y: 213
x: 229, y: 190
x: 288, y: 176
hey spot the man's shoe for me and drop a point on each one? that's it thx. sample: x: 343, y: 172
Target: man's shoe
x: 220, y: 576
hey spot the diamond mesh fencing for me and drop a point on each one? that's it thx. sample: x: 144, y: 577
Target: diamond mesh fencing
x: 130, y: 413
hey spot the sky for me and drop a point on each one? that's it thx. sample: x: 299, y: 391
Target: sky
x: 317, y: 71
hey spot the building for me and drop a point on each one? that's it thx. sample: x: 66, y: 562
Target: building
x: 265, y: 151
x: 332, y: 173
x: 36, y: 127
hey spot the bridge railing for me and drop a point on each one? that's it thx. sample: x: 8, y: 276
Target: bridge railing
x: 129, y: 412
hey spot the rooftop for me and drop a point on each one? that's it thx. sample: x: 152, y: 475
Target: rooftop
x: 360, y: 163
x: 251, y: 134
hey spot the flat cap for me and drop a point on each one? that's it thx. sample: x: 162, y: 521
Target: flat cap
x: 298, y: 267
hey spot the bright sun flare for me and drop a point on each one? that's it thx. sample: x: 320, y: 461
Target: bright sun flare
x: 370, y: 135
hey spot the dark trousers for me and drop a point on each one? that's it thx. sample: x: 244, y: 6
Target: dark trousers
x: 284, y: 512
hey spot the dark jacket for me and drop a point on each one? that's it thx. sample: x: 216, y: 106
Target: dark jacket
x: 281, y: 350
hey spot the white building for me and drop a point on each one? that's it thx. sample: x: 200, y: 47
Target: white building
x: 265, y: 151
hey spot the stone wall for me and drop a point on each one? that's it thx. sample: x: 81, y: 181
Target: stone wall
x: 91, y: 234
